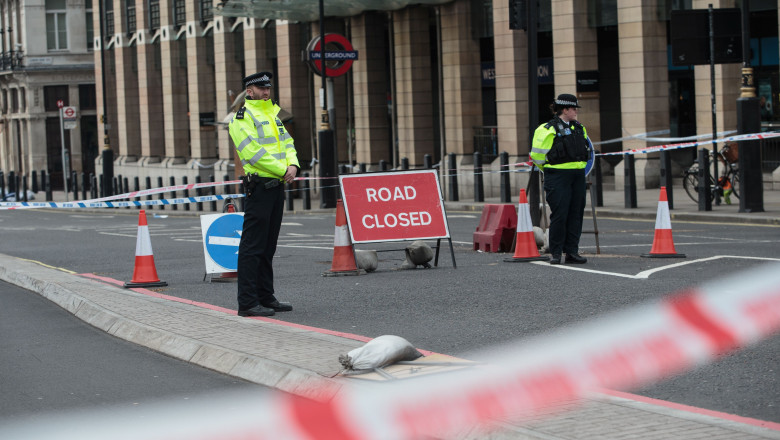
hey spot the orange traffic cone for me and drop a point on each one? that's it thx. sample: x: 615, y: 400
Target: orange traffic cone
x: 229, y: 208
x: 663, y: 244
x: 145, y: 274
x: 525, y: 244
x: 343, y: 253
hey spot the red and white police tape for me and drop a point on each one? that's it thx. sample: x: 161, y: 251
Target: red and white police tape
x: 621, y: 350
x: 657, y: 148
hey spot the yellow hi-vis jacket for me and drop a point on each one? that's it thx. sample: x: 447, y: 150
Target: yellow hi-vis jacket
x: 264, y: 146
x: 544, y: 136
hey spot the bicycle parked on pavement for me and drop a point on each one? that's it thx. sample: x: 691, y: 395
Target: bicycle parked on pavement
x: 727, y: 183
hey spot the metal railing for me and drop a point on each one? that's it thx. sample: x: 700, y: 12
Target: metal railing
x: 770, y: 154
x: 11, y: 60
x: 486, y: 142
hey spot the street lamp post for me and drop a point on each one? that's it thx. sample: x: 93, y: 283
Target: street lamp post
x: 325, y: 135
x: 751, y: 185
x: 107, y: 154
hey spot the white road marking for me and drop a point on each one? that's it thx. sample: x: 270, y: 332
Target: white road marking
x: 305, y: 247
x: 646, y: 274
x: 118, y: 235
x: 649, y: 245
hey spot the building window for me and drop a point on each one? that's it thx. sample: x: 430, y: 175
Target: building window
x: 206, y: 13
x: 130, y: 15
x: 14, y: 100
x: 52, y: 94
x: 154, y: 14
x: 56, y: 30
x: 87, y: 97
x: 90, y: 30
x: 179, y: 13
x: 109, y: 11
x: 22, y: 100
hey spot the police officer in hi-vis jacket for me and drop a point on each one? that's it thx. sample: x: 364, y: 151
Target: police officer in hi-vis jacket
x: 560, y: 150
x: 266, y: 158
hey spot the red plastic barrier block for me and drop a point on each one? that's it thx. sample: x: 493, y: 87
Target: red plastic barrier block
x: 496, y: 229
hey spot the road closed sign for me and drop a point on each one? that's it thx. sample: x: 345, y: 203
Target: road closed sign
x: 394, y: 206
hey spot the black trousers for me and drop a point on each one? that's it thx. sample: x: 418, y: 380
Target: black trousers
x: 262, y: 222
x: 566, y: 197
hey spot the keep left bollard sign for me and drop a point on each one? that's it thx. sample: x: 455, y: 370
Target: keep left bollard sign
x: 394, y: 206
x: 221, y: 236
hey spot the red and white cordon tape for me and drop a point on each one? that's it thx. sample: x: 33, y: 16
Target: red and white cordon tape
x: 622, y: 350
x: 657, y: 148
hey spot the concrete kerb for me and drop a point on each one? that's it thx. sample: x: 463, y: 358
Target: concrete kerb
x: 59, y: 287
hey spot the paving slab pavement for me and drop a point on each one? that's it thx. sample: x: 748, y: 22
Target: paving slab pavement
x: 306, y: 362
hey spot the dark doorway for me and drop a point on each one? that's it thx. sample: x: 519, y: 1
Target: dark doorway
x: 89, y: 143
x: 54, y: 152
x: 682, y: 104
x: 609, y: 73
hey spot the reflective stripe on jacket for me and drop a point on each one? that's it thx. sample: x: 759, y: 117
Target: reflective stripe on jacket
x: 543, y: 141
x: 263, y: 144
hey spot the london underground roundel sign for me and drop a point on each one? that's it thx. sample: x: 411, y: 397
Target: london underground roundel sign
x: 339, y: 55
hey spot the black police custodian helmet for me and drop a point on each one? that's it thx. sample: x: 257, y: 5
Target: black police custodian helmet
x: 260, y: 79
x: 566, y: 100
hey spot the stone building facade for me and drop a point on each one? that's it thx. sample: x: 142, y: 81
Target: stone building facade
x: 37, y: 69
x: 433, y: 77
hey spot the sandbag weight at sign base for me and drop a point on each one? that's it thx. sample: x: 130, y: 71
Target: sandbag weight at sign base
x: 663, y: 243
x: 145, y: 273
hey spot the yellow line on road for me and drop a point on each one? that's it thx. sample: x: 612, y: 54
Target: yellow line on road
x: 50, y: 267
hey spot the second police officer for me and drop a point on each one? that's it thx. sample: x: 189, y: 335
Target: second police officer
x: 560, y: 149
x: 265, y: 154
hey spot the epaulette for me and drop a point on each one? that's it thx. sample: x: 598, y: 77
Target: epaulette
x: 240, y: 113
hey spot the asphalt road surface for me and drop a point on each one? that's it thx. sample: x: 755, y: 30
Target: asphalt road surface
x: 53, y: 361
x: 454, y: 311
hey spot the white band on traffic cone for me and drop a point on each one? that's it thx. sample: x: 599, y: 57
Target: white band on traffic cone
x: 524, y: 218
x: 663, y: 218
x: 143, y: 245
x: 341, y: 237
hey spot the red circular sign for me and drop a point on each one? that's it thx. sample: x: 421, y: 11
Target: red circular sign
x: 344, y: 55
x: 69, y: 112
x: 60, y: 103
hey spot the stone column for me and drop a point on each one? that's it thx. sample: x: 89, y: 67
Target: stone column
x: 413, y: 83
x: 126, y: 85
x: 107, y: 116
x: 371, y: 81
x: 175, y: 95
x: 576, y: 49
x: 227, y: 78
x: 150, y: 104
x: 200, y: 81
x: 462, y: 81
x: 644, y: 83
x: 292, y: 79
x: 76, y: 151
x: 257, y: 47
x: 511, y: 54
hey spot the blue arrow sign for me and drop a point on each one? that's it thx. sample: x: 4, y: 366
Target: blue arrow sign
x: 591, y: 158
x: 222, y: 239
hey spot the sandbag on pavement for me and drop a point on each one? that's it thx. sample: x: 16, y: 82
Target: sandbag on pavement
x: 379, y: 352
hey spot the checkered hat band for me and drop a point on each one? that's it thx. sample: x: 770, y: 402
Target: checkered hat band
x: 257, y: 80
x: 565, y: 103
